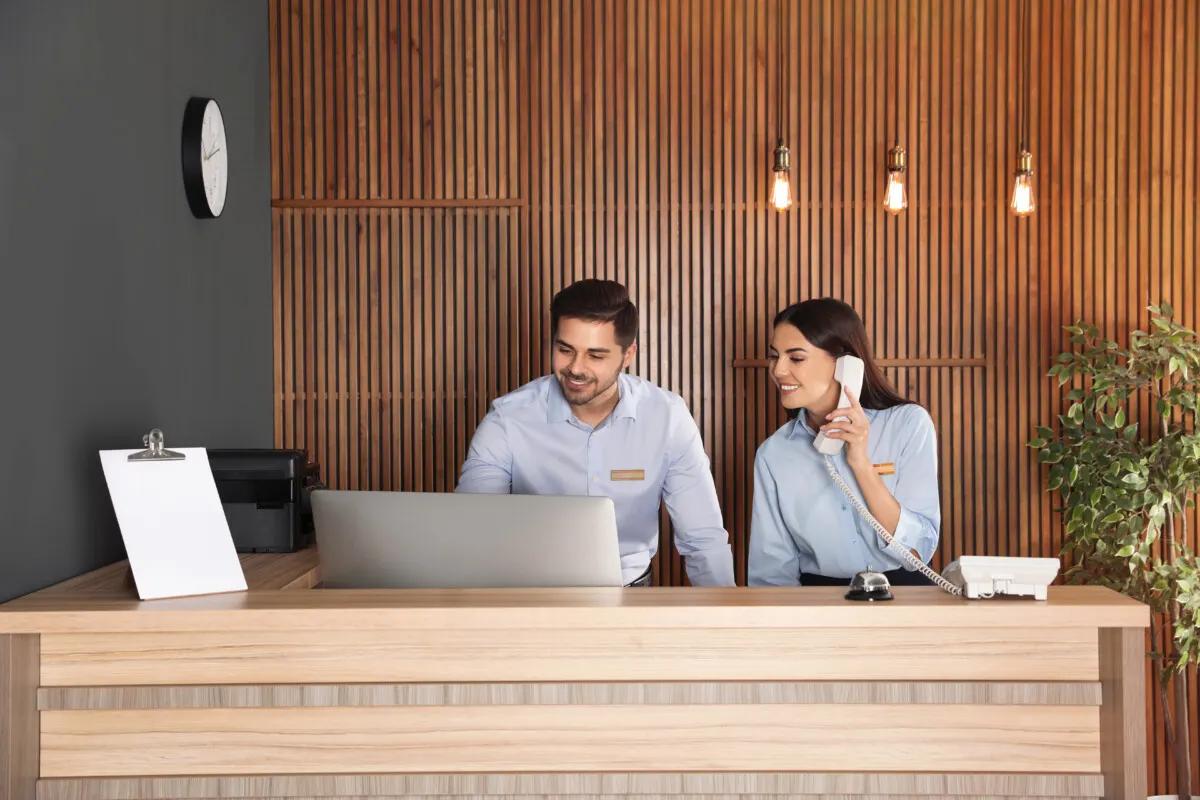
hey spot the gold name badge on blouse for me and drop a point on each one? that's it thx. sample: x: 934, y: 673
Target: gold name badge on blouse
x: 886, y: 468
x: 627, y: 475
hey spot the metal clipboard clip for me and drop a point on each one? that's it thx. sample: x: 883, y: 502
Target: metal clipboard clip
x: 153, y: 441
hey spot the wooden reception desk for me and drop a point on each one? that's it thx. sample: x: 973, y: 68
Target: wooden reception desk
x: 287, y: 691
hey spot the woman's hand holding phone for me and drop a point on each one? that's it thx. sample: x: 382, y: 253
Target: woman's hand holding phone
x: 851, y: 426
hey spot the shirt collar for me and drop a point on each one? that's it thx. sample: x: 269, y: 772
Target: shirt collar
x: 628, y: 404
x: 559, y: 410
x: 800, y: 422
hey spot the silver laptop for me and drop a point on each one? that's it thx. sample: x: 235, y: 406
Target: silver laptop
x: 404, y: 539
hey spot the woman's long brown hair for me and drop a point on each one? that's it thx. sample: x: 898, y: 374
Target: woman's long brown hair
x: 837, y: 329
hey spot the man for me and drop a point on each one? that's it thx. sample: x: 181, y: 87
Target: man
x: 591, y: 429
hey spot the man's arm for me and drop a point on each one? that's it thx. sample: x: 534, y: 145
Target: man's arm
x: 691, y: 498
x: 488, y: 468
x: 774, y: 559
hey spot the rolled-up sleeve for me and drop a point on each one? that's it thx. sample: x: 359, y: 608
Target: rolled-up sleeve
x: 691, y: 499
x: 488, y: 468
x: 774, y: 558
x: 916, y: 490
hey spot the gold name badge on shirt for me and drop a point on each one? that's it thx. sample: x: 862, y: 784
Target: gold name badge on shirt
x: 886, y: 468
x: 628, y: 475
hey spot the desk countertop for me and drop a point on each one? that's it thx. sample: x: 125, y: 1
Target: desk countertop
x: 280, y: 599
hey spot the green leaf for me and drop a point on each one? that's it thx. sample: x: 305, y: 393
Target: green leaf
x: 1125, y: 552
x: 1120, y: 418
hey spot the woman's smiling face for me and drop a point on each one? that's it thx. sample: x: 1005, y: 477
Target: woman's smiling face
x: 802, y: 371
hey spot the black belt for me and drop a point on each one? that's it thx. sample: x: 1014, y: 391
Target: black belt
x: 896, y: 577
x: 641, y: 580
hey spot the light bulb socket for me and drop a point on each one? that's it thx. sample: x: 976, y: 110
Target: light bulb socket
x: 1025, y: 163
x: 896, y: 159
x: 783, y: 159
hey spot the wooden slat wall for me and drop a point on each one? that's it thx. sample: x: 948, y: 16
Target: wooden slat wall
x: 440, y: 169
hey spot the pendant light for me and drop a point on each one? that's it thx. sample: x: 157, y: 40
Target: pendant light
x: 781, y: 181
x: 1022, y: 203
x: 781, y: 184
x: 895, y: 198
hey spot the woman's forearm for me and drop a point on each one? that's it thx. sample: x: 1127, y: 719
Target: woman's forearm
x: 879, y: 500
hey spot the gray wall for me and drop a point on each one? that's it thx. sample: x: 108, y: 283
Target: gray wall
x: 118, y: 309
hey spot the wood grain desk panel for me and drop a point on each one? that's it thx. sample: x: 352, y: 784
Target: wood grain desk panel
x: 673, y: 693
x: 19, y: 723
x: 263, y: 571
x: 66, y: 789
x: 569, y: 739
x: 1123, y: 667
x: 587, y: 786
x: 308, y: 695
x: 333, y: 656
x: 494, y: 609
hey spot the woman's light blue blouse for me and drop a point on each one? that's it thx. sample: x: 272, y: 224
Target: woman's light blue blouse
x: 803, y: 523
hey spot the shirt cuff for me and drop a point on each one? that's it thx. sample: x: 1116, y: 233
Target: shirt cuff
x: 911, y: 534
x: 710, y: 567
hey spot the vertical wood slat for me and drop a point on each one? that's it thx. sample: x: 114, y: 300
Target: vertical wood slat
x: 637, y: 137
x: 1122, y: 746
x: 20, y: 675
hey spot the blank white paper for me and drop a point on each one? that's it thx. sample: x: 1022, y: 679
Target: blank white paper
x: 173, y: 525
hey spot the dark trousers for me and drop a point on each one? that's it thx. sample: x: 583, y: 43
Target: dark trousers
x: 897, y: 577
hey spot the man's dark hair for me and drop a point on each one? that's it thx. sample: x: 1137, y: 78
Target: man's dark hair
x: 595, y: 300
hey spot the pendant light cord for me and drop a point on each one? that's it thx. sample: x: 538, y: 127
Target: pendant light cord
x: 891, y: 53
x: 779, y: 57
x: 1023, y: 55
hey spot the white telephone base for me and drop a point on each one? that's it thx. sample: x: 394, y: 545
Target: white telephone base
x: 988, y: 576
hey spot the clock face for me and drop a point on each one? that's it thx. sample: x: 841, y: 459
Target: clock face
x: 214, y: 157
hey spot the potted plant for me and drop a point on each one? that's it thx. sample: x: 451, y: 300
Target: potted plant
x: 1126, y: 487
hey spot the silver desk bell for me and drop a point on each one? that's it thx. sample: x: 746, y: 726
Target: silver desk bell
x: 869, y: 585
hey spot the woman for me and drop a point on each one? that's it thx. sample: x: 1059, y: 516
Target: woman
x: 805, y: 530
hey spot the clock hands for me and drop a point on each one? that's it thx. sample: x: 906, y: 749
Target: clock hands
x: 207, y: 156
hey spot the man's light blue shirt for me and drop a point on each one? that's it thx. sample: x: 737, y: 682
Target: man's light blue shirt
x: 803, y: 523
x: 532, y: 443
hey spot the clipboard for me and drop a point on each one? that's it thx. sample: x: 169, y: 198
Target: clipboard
x: 171, y: 520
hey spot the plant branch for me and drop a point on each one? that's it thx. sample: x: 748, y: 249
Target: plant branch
x: 1160, y: 660
x: 1182, y: 745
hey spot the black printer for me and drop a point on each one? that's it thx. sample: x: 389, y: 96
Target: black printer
x: 265, y: 497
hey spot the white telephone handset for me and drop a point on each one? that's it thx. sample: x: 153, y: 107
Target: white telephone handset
x: 848, y: 372
x: 975, y: 576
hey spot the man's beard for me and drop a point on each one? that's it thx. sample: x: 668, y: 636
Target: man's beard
x: 580, y: 396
